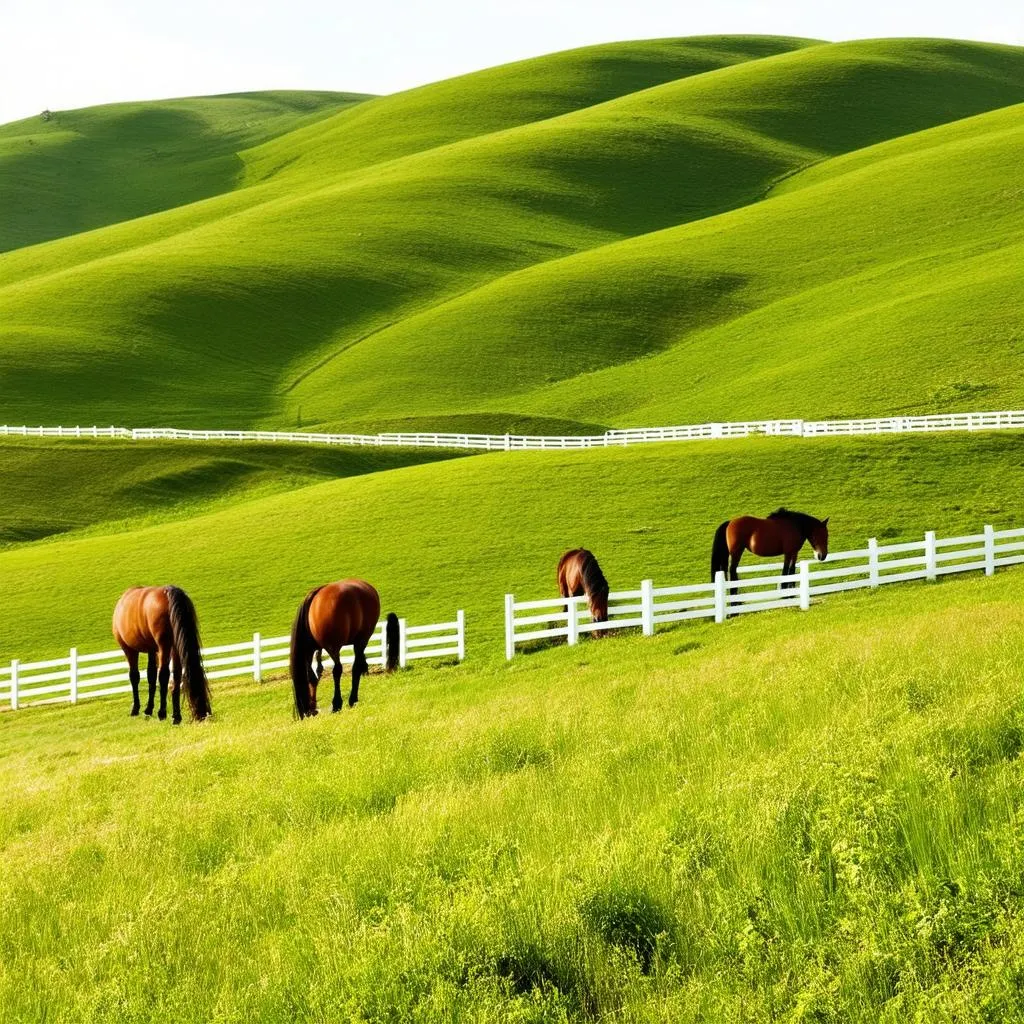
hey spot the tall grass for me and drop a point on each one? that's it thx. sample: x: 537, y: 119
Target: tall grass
x: 802, y: 817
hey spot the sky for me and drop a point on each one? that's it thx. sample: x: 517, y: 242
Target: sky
x: 61, y: 54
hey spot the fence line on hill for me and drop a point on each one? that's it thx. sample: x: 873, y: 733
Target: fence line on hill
x: 956, y: 421
x: 78, y: 676
x: 762, y: 588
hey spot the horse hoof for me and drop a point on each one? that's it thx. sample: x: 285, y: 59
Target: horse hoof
x: 149, y: 712
x: 134, y: 713
x: 161, y: 715
x: 335, y: 708
x: 176, y: 721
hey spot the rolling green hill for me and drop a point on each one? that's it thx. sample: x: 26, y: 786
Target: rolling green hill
x: 73, y: 170
x: 495, y: 249
x: 248, y: 536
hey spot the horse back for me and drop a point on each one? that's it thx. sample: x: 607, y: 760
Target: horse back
x: 141, y: 621
x: 344, y: 612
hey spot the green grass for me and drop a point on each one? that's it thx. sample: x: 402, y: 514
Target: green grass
x: 76, y: 170
x: 797, y: 817
x: 461, y: 534
x: 59, y: 487
x: 498, y: 249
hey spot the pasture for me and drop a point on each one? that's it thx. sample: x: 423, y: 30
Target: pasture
x: 458, y: 533
x: 798, y: 817
x: 789, y: 817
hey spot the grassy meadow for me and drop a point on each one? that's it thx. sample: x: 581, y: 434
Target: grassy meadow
x: 800, y: 817
x: 445, y: 535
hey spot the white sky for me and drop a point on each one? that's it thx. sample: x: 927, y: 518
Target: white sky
x: 75, y: 53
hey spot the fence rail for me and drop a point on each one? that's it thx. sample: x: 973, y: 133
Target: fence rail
x: 761, y: 587
x: 71, y: 679
x: 956, y: 421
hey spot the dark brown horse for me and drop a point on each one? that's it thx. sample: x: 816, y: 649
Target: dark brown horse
x: 782, y: 533
x: 330, y: 617
x: 579, y: 574
x: 160, y: 622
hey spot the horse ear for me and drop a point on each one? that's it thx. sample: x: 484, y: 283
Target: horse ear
x: 824, y: 521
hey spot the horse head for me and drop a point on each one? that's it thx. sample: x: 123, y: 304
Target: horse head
x: 819, y: 540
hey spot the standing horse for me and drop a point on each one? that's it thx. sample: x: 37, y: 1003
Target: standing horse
x: 579, y: 574
x: 782, y: 533
x: 330, y: 617
x: 161, y: 622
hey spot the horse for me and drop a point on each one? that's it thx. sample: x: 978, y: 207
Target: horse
x: 579, y: 574
x: 331, y: 616
x: 160, y: 622
x: 782, y: 533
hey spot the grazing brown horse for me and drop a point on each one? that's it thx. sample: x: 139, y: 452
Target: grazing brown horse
x: 579, y: 574
x: 330, y: 617
x: 782, y: 533
x: 160, y: 622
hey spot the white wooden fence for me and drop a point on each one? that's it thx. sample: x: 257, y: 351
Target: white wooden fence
x: 956, y: 421
x: 761, y: 588
x: 78, y: 676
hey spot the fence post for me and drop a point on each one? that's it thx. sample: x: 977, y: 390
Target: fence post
x: 720, y: 596
x: 990, y: 550
x: 873, y: 561
x: 14, y: 685
x: 647, y: 606
x: 510, y: 629
x: 73, y: 673
x: 257, y: 665
x: 572, y: 620
x: 460, y: 618
x: 403, y: 647
x: 805, y: 585
x: 929, y: 555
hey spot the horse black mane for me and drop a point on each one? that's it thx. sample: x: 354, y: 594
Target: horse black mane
x: 593, y: 579
x: 804, y: 523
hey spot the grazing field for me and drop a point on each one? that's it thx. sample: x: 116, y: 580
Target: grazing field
x: 639, y: 233
x: 454, y: 534
x: 794, y: 816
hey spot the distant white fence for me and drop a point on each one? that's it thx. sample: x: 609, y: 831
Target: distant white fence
x: 955, y: 421
x: 78, y: 676
x: 649, y: 606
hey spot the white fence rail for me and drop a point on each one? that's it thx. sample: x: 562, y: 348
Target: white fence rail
x: 761, y: 588
x: 78, y: 676
x: 955, y: 421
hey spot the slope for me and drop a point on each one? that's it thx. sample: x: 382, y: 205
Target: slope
x: 461, y: 534
x: 276, y: 302
x: 886, y: 289
x: 69, y: 171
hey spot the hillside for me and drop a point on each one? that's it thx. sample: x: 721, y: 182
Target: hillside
x: 791, y: 817
x: 467, y: 250
x: 456, y: 534
x: 74, y: 170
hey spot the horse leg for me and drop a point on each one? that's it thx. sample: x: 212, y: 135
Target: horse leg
x: 337, y: 703
x: 175, y: 686
x: 163, y: 677
x: 133, y: 676
x: 734, y: 572
x: 359, y: 668
x: 788, y: 568
x: 151, y: 679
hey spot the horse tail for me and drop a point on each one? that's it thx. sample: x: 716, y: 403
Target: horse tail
x: 720, y: 551
x: 391, y: 641
x: 187, y: 652
x: 301, y: 651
